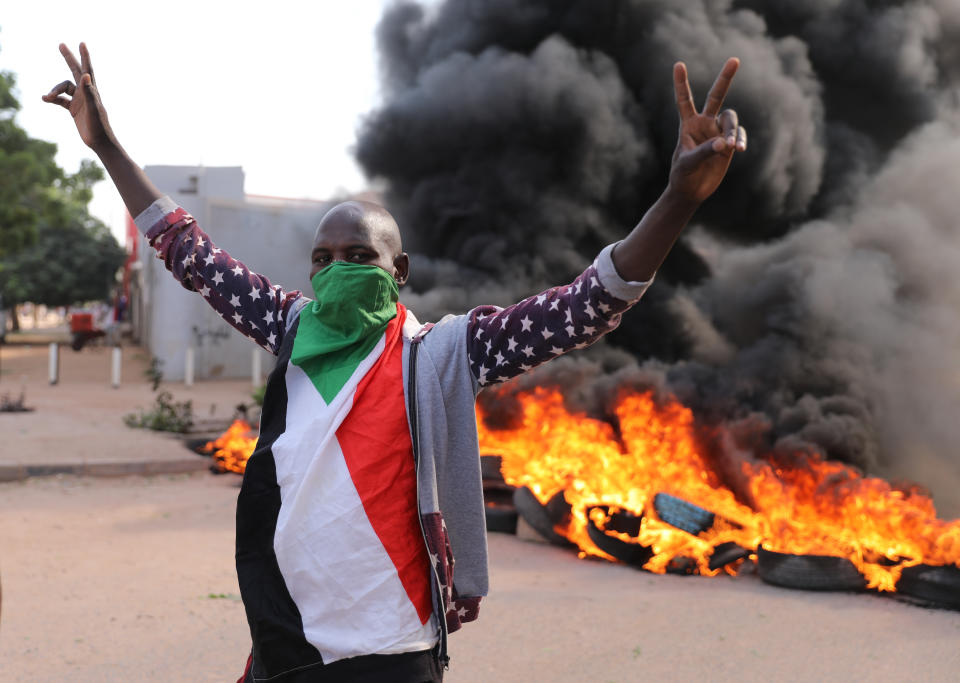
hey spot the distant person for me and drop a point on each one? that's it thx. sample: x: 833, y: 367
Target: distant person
x: 365, y: 482
x: 121, y: 309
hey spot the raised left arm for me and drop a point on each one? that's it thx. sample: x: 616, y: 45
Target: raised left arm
x: 705, y: 146
x: 504, y: 343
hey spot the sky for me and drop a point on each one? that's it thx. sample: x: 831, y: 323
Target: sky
x: 278, y: 88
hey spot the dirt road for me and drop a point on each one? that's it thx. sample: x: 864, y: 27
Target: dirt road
x: 132, y: 580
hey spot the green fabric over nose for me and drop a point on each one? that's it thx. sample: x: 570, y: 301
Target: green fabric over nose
x: 353, y: 305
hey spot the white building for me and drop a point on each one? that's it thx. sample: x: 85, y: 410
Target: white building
x: 272, y: 236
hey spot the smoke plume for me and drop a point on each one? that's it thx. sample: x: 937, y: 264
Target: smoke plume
x: 813, y: 302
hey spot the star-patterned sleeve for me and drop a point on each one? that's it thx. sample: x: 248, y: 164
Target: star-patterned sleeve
x: 246, y: 300
x: 506, y: 342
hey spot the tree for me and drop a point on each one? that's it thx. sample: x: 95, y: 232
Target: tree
x: 66, y: 264
x: 52, y: 251
x: 28, y: 170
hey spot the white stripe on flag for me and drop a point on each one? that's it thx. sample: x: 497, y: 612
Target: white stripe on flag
x: 339, y: 575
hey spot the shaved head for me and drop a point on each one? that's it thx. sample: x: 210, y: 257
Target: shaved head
x: 360, y: 232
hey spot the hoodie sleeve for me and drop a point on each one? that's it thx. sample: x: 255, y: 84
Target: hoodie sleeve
x: 506, y: 342
x: 246, y: 300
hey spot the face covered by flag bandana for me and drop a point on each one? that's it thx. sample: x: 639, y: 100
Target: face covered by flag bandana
x: 354, y: 303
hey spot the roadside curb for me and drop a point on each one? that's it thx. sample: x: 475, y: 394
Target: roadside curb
x: 10, y: 473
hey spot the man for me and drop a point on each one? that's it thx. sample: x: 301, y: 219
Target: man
x: 365, y: 482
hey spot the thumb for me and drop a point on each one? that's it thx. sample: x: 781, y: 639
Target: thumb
x: 705, y: 150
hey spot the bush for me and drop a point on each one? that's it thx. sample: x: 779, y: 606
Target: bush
x: 166, y: 415
x: 258, y: 393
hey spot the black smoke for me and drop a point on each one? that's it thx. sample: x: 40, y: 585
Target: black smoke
x: 815, y: 293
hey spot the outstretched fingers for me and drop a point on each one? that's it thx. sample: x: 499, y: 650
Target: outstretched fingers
x: 720, y: 87
x: 681, y: 86
x: 85, y: 62
x: 71, y: 62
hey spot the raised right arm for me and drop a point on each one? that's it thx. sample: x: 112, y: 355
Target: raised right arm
x: 245, y: 299
x: 81, y: 98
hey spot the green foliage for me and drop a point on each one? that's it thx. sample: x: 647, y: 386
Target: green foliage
x: 154, y: 372
x: 66, y: 265
x: 73, y: 258
x: 258, y: 393
x: 52, y: 251
x: 165, y: 415
x: 29, y: 171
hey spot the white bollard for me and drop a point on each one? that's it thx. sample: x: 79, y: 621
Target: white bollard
x: 188, y: 367
x: 54, y: 365
x: 115, y: 367
x: 257, y: 369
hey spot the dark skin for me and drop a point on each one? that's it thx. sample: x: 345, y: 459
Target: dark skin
x: 360, y: 232
x: 366, y: 233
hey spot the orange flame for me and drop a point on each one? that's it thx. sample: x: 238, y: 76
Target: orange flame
x: 823, y: 508
x: 233, y: 448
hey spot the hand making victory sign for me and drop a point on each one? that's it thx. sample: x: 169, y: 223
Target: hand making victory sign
x: 705, y: 147
x: 83, y: 102
x: 707, y: 140
x: 82, y: 99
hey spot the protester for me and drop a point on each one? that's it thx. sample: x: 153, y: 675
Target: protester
x: 365, y: 481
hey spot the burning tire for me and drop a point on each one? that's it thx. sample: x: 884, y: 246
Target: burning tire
x: 681, y: 514
x: 498, y: 508
x: 931, y: 586
x: 196, y: 445
x: 809, y: 572
x: 490, y: 468
x: 727, y: 553
x: 500, y: 518
x: 632, y: 554
x: 543, y: 518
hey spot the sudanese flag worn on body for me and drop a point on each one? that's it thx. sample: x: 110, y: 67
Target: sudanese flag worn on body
x: 348, y: 541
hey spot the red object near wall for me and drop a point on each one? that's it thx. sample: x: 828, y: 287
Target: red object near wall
x: 81, y: 322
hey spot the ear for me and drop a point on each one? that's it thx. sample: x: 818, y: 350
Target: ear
x: 401, y: 268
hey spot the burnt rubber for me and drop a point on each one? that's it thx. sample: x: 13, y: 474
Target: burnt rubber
x: 497, y: 494
x: 543, y: 517
x: 682, y: 514
x: 725, y: 553
x: 622, y: 521
x: 931, y: 586
x: 196, y: 445
x: 631, y: 554
x: 809, y: 572
x: 500, y: 518
x: 490, y: 467
x: 683, y: 566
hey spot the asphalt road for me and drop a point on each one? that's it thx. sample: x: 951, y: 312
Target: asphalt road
x: 132, y: 579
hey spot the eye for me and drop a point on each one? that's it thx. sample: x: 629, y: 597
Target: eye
x: 321, y: 259
x: 359, y: 257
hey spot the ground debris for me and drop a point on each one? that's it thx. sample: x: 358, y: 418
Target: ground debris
x: 14, y: 405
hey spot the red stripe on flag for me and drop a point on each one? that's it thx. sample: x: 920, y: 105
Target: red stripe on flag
x: 375, y: 440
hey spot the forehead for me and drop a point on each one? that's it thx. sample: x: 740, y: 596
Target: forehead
x: 347, y: 224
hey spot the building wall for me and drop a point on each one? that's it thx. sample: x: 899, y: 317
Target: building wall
x: 270, y: 236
